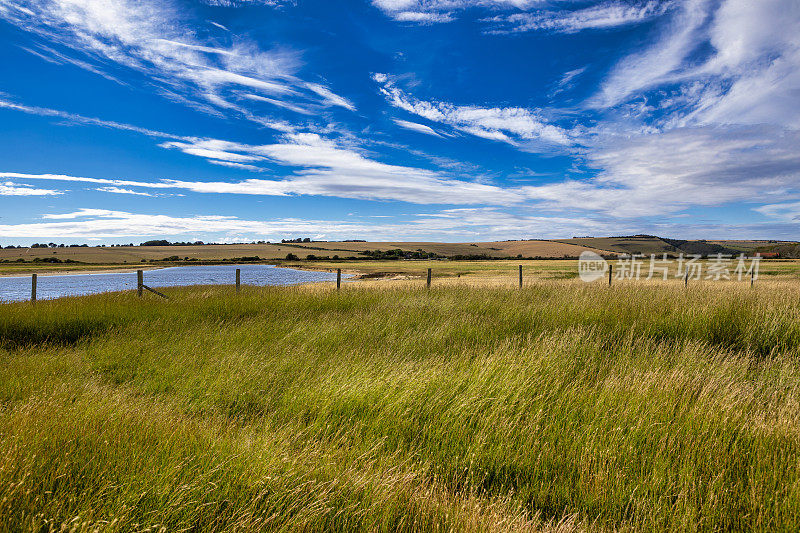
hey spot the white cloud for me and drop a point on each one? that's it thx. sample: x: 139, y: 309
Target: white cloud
x: 330, y: 170
x: 9, y: 188
x: 640, y: 176
x: 325, y: 169
x: 431, y: 11
x: 453, y: 225
x: 643, y: 70
x: 241, y: 166
x: 757, y: 51
x: 119, y: 190
x: 789, y: 212
x: 602, y: 16
x: 513, y: 125
x: 78, y: 179
x: 568, y: 77
x: 153, y: 37
x: 665, y: 172
x: 415, y: 126
x: 329, y: 97
x: 734, y: 62
x: 80, y: 119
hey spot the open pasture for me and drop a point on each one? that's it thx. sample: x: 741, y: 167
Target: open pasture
x: 384, y: 406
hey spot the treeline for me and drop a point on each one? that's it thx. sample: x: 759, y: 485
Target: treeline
x: 48, y: 245
x: 400, y: 254
x: 39, y: 260
x: 162, y: 242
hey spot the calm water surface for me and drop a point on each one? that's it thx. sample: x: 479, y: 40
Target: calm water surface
x: 18, y: 288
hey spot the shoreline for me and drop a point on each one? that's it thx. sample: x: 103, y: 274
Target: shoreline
x: 108, y: 269
x: 78, y: 271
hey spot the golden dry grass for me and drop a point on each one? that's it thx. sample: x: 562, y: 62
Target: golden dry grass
x: 474, y: 406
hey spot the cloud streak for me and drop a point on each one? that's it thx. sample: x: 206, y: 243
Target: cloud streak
x: 604, y: 16
x: 155, y: 38
x: 513, y: 125
x: 462, y: 224
x: 10, y: 188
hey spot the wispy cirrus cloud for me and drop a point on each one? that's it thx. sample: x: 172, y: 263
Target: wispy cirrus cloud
x: 640, y: 176
x: 732, y: 62
x: 604, y: 16
x: 645, y: 69
x: 120, y: 190
x: 437, y: 11
x: 715, y: 102
x: 518, y: 16
x: 513, y: 125
x: 666, y: 172
x: 10, y: 188
x: 327, y: 169
x: 461, y: 224
x: 416, y: 126
x: 788, y: 211
x: 6, y: 103
x: 156, y: 39
x: 323, y: 169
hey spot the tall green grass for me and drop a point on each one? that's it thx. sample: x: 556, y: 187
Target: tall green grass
x: 561, y: 406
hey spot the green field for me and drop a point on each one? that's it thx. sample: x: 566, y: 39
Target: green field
x: 473, y: 406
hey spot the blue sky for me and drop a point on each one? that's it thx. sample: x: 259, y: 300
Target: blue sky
x: 445, y: 120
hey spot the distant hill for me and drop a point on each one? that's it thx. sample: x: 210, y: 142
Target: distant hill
x: 651, y: 244
x: 782, y: 250
x: 633, y: 244
x: 701, y: 247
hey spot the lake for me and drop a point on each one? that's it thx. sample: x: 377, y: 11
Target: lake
x: 18, y: 288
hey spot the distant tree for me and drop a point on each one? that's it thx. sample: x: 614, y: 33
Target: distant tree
x: 291, y: 257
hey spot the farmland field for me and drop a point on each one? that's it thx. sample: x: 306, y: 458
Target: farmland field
x: 135, y: 254
x: 473, y: 406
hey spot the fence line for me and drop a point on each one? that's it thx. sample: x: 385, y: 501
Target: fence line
x: 141, y: 287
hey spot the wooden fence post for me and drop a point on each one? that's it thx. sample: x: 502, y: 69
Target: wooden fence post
x: 33, y: 287
x: 428, y: 285
x: 238, y: 278
x: 686, y: 279
x: 610, y: 269
x: 139, y: 282
x: 520, y: 276
x: 338, y: 279
x: 752, y: 278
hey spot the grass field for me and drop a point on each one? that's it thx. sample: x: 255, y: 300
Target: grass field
x: 473, y: 406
